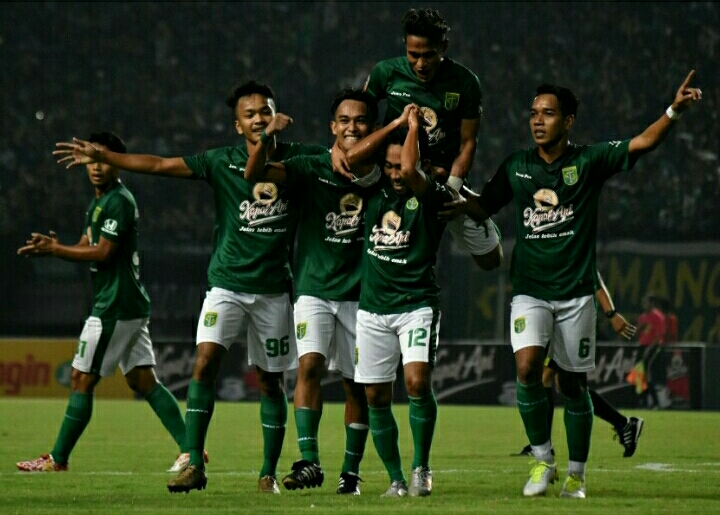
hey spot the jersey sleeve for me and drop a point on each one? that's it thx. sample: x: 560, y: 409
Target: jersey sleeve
x: 116, y: 218
x: 497, y: 192
x: 298, y: 170
x: 375, y: 83
x: 610, y: 158
x: 472, y: 109
x: 200, y: 166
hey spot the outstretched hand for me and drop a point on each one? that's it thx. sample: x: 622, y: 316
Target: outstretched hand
x: 456, y: 207
x: 39, y: 245
x: 622, y: 327
x: 686, y: 96
x: 77, y: 152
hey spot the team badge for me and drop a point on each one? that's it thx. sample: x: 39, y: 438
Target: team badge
x: 301, y: 330
x: 210, y: 319
x: 412, y: 204
x: 96, y: 214
x: 451, y: 100
x: 519, y: 325
x: 570, y: 175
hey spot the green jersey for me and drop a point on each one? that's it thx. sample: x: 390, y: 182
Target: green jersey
x: 117, y: 292
x: 556, y: 207
x: 253, y: 221
x: 402, y: 236
x: 453, y: 95
x: 330, y: 229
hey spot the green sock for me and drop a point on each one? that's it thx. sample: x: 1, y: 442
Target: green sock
x: 355, y: 438
x: 307, y: 422
x: 384, y: 430
x: 423, y: 416
x: 533, y: 406
x: 200, y: 406
x: 273, y: 417
x: 578, y: 426
x: 166, y: 407
x: 77, y: 416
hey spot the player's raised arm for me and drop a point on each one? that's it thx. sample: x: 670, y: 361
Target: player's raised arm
x: 81, y: 152
x: 658, y: 131
x: 257, y: 167
x: 410, y: 164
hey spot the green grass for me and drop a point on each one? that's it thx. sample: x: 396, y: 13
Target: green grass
x: 117, y: 467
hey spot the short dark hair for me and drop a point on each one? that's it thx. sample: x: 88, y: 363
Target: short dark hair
x: 250, y: 87
x: 359, y: 95
x: 425, y: 23
x: 566, y: 98
x: 110, y: 140
x: 397, y: 137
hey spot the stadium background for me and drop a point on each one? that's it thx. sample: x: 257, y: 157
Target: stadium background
x: 157, y: 74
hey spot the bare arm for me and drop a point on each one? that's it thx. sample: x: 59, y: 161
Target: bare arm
x: 257, y: 167
x: 465, y: 204
x: 41, y: 245
x: 365, y: 151
x: 618, y: 322
x: 81, y: 152
x: 410, y: 157
x: 658, y: 131
x: 468, y: 145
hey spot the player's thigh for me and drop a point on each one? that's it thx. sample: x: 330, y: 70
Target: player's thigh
x: 531, y: 322
x: 314, y: 325
x: 222, y: 317
x: 92, y: 350
x: 271, y: 342
x: 377, y: 349
x: 476, y: 238
x: 138, y: 350
x: 574, y: 337
x: 342, y: 347
x: 418, y: 332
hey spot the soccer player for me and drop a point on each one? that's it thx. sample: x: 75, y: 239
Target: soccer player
x: 450, y: 98
x: 627, y: 429
x: 398, y: 316
x: 327, y: 282
x: 116, y: 333
x: 556, y: 187
x: 249, y: 274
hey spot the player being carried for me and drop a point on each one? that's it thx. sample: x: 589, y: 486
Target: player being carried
x: 249, y: 274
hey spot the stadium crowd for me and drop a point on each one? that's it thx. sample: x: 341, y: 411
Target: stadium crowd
x: 156, y: 73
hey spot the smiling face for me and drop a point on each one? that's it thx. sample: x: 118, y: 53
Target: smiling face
x: 252, y: 114
x: 548, y: 126
x: 102, y: 175
x: 392, y: 168
x: 424, y: 57
x: 351, y: 123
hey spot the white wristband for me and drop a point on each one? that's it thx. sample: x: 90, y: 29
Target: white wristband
x: 673, y: 114
x: 455, y: 182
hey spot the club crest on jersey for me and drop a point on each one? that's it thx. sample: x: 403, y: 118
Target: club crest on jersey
x: 389, y: 236
x: 452, y: 100
x: 412, y: 204
x: 519, y: 325
x: 210, y: 319
x: 570, y: 175
x: 96, y: 214
x: 301, y: 330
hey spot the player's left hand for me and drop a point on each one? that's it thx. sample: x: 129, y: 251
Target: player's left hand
x: 686, y: 96
x: 39, y: 245
x: 456, y: 207
x: 339, y: 162
x: 622, y: 327
x: 279, y: 123
x: 77, y: 152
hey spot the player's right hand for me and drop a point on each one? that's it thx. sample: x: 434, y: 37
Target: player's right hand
x: 339, y: 162
x: 77, y: 152
x: 38, y: 245
x: 279, y: 123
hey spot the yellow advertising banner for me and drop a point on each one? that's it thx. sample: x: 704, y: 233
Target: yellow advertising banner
x: 35, y: 367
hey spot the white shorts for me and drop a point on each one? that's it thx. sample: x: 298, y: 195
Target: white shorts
x: 266, y: 318
x: 470, y: 236
x: 106, y: 344
x: 568, y: 326
x: 328, y: 328
x: 383, y: 339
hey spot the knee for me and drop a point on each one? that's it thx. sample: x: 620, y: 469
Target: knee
x: 528, y: 372
x: 572, y: 384
x: 311, y: 367
x: 271, y: 383
x: 417, y: 385
x: 141, y: 380
x: 207, y: 362
x: 491, y: 260
x: 379, y: 395
x: 82, y: 382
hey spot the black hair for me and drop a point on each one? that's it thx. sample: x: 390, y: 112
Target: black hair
x: 250, y: 87
x: 397, y: 137
x: 359, y: 95
x: 109, y: 139
x: 425, y: 23
x: 566, y: 98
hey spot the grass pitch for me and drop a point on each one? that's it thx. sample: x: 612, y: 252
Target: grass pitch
x: 118, y: 465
